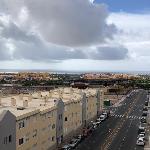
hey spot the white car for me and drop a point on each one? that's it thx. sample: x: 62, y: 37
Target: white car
x: 74, y: 143
x: 140, y: 142
x: 98, y: 119
x: 105, y: 114
x: 102, y: 117
x: 66, y: 147
x: 141, y: 136
x: 98, y: 122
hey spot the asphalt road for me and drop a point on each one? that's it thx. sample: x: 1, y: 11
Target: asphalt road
x: 119, y: 131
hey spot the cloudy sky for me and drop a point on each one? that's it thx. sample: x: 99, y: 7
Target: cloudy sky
x: 75, y: 35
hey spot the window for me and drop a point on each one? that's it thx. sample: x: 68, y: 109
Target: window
x: 21, y: 124
x: 34, y: 133
x: 53, y: 138
x: 65, y: 118
x: 21, y: 141
x: 10, y: 138
x: 53, y: 126
x: 5, y: 140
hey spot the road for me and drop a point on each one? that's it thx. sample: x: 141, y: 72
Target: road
x: 119, y: 132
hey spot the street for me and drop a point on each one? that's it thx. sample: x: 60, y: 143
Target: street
x: 120, y: 131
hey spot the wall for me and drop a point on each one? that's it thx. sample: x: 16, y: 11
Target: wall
x: 7, y: 131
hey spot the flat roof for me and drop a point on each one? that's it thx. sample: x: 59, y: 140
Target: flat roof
x: 41, y: 101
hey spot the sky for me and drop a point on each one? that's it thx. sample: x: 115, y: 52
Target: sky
x: 75, y: 35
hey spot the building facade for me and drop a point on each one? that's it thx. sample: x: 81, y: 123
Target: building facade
x: 42, y: 120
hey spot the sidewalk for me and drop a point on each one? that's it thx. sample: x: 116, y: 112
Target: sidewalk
x: 119, y: 102
x: 147, y: 145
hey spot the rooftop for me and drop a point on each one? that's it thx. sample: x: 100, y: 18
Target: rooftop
x: 24, y: 105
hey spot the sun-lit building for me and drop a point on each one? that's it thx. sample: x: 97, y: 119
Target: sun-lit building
x: 42, y: 120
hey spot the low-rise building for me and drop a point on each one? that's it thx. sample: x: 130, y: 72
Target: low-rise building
x: 42, y: 120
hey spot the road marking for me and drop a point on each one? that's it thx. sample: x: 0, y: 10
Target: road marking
x: 119, y: 125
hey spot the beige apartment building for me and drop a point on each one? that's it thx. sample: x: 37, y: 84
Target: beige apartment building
x: 72, y: 111
x: 42, y: 120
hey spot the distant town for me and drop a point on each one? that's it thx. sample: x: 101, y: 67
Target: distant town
x: 50, y: 111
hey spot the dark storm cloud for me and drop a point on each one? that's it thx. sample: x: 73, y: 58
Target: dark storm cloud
x: 110, y: 53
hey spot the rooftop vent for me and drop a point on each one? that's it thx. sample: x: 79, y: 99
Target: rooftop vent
x: 25, y: 103
x: 13, y: 101
x: 30, y: 97
x: 50, y: 94
x: 21, y: 96
x: 21, y: 108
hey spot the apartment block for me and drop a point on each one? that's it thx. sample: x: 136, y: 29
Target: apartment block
x: 42, y: 120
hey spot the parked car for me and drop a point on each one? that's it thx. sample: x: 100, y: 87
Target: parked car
x: 141, y: 130
x: 140, y: 142
x: 143, y: 120
x: 98, y: 123
x: 144, y: 114
x: 102, y: 117
x: 141, y: 136
x: 74, y: 142
x: 106, y: 114
x: 145, y: 109
x: 94, y: 125
x: 66, y: 147
x: 146, y: 103
x: 98, y: 119
x: 79, y: 138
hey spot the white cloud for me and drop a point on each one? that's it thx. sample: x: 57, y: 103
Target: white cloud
x: 134, y: 33
x: 58, y: 30
x: 69, y: 23
x: 61, y: 31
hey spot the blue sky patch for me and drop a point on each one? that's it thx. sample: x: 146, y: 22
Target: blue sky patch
x: 133, y: 6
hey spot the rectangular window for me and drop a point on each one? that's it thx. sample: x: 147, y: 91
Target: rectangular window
x: 5, y: 140
x: 34, y: 133
x: 21, y: 124
x: 10, y: 138
x: 21, y: 141
x: 53, y: 138
x: 65, y: 118
x: 53, y: 126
